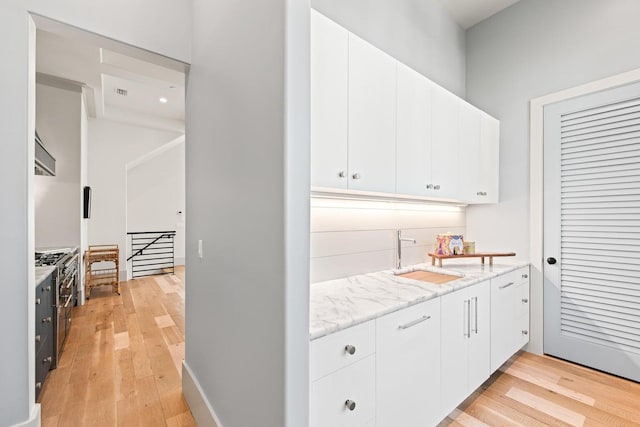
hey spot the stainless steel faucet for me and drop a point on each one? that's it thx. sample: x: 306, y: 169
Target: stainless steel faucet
x: 399, y: 244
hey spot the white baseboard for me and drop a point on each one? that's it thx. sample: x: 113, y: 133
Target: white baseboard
x: 198, y: 404
x: 123, y: 275
x: 179, y: 261
x: 34, y: 418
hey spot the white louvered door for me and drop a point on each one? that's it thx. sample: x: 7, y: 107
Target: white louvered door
x: 592, y: 230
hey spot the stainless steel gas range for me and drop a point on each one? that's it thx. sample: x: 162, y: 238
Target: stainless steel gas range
x: 66, y: 279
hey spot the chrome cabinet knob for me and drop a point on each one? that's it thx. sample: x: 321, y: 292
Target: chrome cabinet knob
x: 37, y: 338
x: 350, y: 349
x: 38, y: 384
x: 47, y: 289
x: 355, y: 176
x: 47, y: 360
x: 342, y: 174
x: 350, y: 404
x: 525, y: 276
x: 429, y: 186
x: 37, y: 301
x: 525, y: 332
x: 525, y: 300
x: 436, y: 187
x: 46, y: 319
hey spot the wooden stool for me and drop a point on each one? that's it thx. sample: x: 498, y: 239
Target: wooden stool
x: 101, y: 276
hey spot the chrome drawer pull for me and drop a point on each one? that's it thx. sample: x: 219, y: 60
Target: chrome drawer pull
x: 350, y: 404
x: 525, y: 300
x: 350, y: 349
x: 414, y: 322
x: 507, y: 285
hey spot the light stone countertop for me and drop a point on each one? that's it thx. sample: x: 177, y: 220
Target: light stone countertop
x: 342, y: 303
x: 43, y: 272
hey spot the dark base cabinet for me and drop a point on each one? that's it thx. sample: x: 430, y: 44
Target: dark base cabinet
x: 44, y: 331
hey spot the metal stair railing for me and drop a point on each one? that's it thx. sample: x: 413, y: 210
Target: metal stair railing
x: 153, y: 253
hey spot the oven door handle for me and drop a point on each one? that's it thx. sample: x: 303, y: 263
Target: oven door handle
x: 68, y: 301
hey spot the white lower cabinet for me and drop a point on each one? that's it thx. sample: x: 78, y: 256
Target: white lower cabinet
x: 414, y: 366
x: 345, y: 398
x: 465, y: 343
x: 509, y: 315
x: 408, y: 367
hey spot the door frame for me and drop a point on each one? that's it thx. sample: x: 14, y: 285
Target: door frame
x: 536, y: 188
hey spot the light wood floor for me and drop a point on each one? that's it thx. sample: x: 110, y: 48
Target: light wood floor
x: 122, y: 365
x: 533, y: 390
x: 122, y: 361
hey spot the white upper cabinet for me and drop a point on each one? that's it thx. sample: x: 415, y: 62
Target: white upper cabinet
x: 372, y: 118
x: 489, y: 161
x: 379, y: 126
x: 329, y: 90
x: 445, y: 135
x: 479, y: 155
x: 413, y: 137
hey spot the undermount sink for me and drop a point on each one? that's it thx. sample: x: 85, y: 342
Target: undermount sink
x: 429, y: 276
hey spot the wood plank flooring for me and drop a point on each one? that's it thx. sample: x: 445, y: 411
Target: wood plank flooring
x: 532, y: 390
x: 121, y: 365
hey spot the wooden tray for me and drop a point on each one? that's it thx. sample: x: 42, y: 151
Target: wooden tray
x: 481, y: 255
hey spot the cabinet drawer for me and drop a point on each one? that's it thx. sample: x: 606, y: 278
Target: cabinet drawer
x: 354, y: 384
x: 43, y: 365
x: 511, y: 279
x: 335, y: 351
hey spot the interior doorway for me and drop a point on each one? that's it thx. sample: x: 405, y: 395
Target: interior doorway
x: 112, y: 116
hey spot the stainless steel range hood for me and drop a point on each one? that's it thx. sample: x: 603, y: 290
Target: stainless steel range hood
x: 45, y: 162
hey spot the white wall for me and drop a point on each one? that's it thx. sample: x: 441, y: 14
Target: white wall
x: 155, y: 195
x: 350, y: 237
x: 111, y: 146
x: 57, y: 198
x: 534, y: 48
x: 247, y: 154
x: 84, y: 180
x: 129, y: 22
x: 419, y: 33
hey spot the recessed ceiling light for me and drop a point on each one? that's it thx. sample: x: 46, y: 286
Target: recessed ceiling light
x: 163, y: 100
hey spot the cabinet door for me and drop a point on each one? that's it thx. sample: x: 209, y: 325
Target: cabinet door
x: 489, y: 159
x: 413, y: 136
x: 408, y: 367
x: 329, y: 396
x: 455, y: 330
x: 480, y: 339
x: 372, y: 118
x: 508, y: 314
x: 445, y: 168
x: 329, y: 78
x: 470, y: 118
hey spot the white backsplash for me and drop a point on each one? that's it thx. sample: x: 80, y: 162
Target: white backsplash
x: 350, y: 237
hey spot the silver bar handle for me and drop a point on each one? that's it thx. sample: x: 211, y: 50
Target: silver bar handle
x: 414, y: 322
x: 475, y: 308
x: 507, y: 285
x: 467, y: 333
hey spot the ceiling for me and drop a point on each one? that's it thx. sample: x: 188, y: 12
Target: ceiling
x: 102, y: 72
x: 468, y: 13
